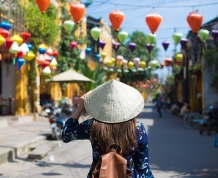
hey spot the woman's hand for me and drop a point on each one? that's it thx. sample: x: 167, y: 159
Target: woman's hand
x: 77, y: 113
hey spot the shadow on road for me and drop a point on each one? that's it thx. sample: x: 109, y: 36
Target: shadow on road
x: 173, y: 148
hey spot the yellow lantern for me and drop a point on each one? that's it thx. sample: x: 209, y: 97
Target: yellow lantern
x: 179, y: 57
x: 109, y: 63
x: 130, y: 64
x: 142, y: 64
x: 30, y: 56
x: 119, y: 64
x: 103, y: 55
x: 112, y: 59
x: 17, y: 38
x: 2, y: 40
x: 43, y: 46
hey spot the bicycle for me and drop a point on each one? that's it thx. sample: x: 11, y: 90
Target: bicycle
x: 193, y: 119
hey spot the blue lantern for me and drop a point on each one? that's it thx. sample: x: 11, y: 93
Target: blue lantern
x: 29, y: 46
x: 20, y: 62
x: 42, y: 50
x: 88, y: 51
x: 98, y: 57
x: 6, y: 25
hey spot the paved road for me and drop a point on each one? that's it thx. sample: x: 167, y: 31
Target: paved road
x: 175, y: 152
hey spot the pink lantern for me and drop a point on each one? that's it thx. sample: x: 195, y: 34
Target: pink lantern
x: 119, y: 58
x: 47, y: 57
x: 40, y: 59
x: 49, y: 51
x: 73, y: 44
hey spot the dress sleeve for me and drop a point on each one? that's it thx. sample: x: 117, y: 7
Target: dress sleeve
x: 73, y: 130
x: 141, y: 156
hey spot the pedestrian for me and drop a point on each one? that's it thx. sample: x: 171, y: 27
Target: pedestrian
x: 159, y: 105
x: 113, y: 106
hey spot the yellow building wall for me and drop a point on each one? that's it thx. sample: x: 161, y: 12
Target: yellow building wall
x: 179, y: 91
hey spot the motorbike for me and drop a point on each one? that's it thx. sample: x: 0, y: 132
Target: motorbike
x: 58, y: 119
x: 176, y: 108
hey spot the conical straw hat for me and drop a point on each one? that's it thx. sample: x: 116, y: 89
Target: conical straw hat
x: 114, y: 102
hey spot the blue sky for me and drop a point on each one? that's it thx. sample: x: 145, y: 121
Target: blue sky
x: 173, y: 12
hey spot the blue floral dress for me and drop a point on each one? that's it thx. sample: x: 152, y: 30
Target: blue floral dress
x: 74, y: 131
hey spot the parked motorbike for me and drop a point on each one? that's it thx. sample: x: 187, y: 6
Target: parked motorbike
x: 58, y: 119
x: 176, y: 108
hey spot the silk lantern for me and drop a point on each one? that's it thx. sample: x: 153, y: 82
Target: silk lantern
x: 20, y: 62
x: 116, y: 18
x: 46, y: 71
x: 151, y: 38
x: 203, y: 34
x: 168, y: 62
x: 214, y: 34
x: 68, y: 25
x: 42, y: 50
x: 14, y: 49
x: 43, y: 5
x: 77, y: 11
x: 136, y: 61
x: 29, y: 46
x: 119, y: 58
x: 153, y: 21
x: 49, y: 51
x: 25, y: 36
x: 122, y: 36
x: 4, y: 33
x: 184, y: 42
x: 95, y: 33
x: 165, y: 45
x: 43, y: 46
x: 98, y: 57
x: 2, y: 40
x: 130, y: 64
x: 103, y: 55
x: 142, y: 64
x: 177, y: 37
x: 179, y: 57
x: 149, y: 47
x: 194, y: 20
x: 17, y: 38
x: 162, y: 65
x: 40, y: 59
x: 88, y: 51
x: 6, y: 25
x: 53, y: 63
x: 55, y: 53
x: 73, y: 44
x: 8, y: 43
x: 101, y: 44
x: 132, y: 46
x: 24, y: 48
x: 116, y: 46
x: 30, y: 56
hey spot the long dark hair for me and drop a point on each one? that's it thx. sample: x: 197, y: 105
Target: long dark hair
x: 123, y: 134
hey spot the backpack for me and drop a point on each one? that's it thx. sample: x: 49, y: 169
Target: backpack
x: 112, y: 164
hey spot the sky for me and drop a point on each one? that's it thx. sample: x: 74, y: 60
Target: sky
x: 173, y: 12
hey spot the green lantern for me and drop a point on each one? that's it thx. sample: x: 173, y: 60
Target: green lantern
x: 177, y: 37
x: 105, y: 69
x: 95, y: 33
x: 122, y: 36
x: 153, y: 64
x: 119, y: 71
x: 203, y: 34
x: 151, y: 38
x: 69, y: 25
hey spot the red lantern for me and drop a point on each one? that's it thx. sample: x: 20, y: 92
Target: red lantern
x: 45, y: 64
x: 43, y: 5
x: 77, y: 11
x: 153, y: 21
x: 116, y: 17
x: 9, y: 43
x: 162, y: 65
x: 4, y: 32
x: 20, y: 54
x: 148, y: 81
x: 195, y: 20
x: 179, y: 63
x: 26, y: 36
x: 55, y: 53
x: 168, y: 62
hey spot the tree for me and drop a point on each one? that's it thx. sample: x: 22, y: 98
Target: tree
x: 34, y: 20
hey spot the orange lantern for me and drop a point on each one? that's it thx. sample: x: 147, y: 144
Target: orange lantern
x: 77, y: 11
x: 153, y: 21
x: 43, y: 5
x: 116, y: 17
x: 195, y: 20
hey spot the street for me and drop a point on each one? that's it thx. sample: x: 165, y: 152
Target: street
x: 175, y: 152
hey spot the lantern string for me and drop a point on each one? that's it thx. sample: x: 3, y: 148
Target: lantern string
x: 43, y: 24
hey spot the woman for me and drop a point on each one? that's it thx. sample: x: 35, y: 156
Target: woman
x: 113, y: 106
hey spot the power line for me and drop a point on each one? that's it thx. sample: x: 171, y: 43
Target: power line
x: 158, y: 7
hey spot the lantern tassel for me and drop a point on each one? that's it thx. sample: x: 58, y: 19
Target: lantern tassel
x: 14, y: 61
x: 95, y: 47
x: 28, y: 66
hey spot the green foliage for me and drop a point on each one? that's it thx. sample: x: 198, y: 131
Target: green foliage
x: 212, y: 60
x: 98, y: 76
x: 34, y: 20
x: 140, y: 51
